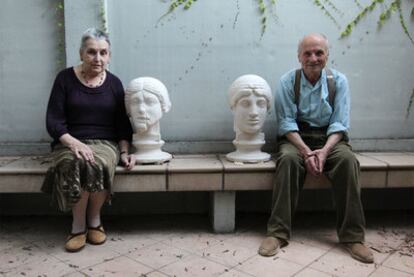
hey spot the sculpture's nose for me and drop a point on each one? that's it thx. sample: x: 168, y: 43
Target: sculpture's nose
x: 141, y: 108
x: 254, y: 112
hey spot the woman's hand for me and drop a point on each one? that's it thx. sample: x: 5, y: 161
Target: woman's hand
x: 128, y: 160
x: 80, y: 149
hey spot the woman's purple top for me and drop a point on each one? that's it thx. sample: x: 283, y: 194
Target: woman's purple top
x: 87, y: 113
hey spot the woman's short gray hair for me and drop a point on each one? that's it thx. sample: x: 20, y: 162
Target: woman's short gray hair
x: 93, y: 33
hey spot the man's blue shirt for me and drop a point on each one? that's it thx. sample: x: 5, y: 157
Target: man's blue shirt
x: 314, y: 107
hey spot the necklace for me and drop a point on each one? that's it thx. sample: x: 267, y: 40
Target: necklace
x: 91, y: 84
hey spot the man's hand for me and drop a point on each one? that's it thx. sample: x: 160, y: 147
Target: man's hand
x: 320, y: 155
x: 128, y: 161
x: 311, y: 164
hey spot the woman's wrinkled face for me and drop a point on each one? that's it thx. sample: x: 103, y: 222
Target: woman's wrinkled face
x: 145, y: 110
x: 95, y: 56
x: 250, y: 113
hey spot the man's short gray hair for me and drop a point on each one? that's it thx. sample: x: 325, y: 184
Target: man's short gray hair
x: 320, y: 35
x: 93, y: 33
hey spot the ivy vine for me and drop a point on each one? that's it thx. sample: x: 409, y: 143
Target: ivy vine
x: 324, y: 9
x: 410, y: 103
x: 102, y: 16
x: 394, y: 7
x: 175, y: 4
x: 327, y: 7
x: 60, y: 28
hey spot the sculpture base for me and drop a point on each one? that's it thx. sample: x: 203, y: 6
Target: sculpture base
x: 252, y: 157
x: 248, y: 152
x: 152, y: 158
x: 149, y: 152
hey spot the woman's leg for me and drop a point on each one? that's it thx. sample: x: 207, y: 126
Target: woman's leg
x: 79, y: 213
x: 96, y: 201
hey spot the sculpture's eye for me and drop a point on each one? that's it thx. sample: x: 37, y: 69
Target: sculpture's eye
x: 245, y: 103
x: 262, y: 103
x: 135, y: 100
x: 151, y: 100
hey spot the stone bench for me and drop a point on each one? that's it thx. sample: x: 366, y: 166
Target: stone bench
x: 211, y: 173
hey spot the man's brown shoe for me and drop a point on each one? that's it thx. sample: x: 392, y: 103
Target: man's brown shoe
x: 269, y: 246
x: 75, y: 242
x: 96, y: 235
x: 360, y: 252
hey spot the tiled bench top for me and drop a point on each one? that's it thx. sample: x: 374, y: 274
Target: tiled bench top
x: 209, y: 173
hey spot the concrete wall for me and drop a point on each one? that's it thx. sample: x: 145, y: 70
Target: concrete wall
x: 197, y: 54
x: 29, y: 57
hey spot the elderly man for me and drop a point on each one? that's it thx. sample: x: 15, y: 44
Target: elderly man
x: 312, y: 106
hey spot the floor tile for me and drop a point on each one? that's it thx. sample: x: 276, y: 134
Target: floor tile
x: 90, y: 255
x: 193, y: 266
x: 400, y: 262
x: 14, y: 257
x: 309, y: 272
x: 268, y: 266
x: 383, y: 242
x: 235, y: 273
x: 227, y: 253
x: 120, y: 266
x: 300, y: 253
x: 325, y: 239
x: 192, y: 242
x: 338, y: 262
x: 155, y: 274
x: 46, y: 266
x: 151, y: 244
x: 387, y: 272
x: 75, y: 274
x: 127, y: 242
x: 249, y: 239
x: 158, y: 255
x: 10, y: 241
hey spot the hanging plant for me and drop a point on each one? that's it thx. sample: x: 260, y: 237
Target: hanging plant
x: 60, y: 26
x: 175, y: 4
x: 410, y: 103
x: 329, y: 3
x: 395, y: 6
x: 102, y: 16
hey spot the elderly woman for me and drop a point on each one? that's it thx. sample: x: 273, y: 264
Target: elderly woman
x: 87, y: 120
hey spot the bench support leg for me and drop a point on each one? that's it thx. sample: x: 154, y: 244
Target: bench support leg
x: 222, y: 211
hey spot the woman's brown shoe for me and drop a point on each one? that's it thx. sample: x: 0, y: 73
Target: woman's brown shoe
x: 96, y: 235
x: 75, y: 242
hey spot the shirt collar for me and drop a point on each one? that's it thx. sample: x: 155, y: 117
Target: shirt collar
x: 306, y: 83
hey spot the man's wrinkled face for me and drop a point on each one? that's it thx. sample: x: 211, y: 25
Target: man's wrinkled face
x: 145, y: 110
x: 313, y: 55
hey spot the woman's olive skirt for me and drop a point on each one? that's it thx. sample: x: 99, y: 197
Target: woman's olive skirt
x: 69, y: 176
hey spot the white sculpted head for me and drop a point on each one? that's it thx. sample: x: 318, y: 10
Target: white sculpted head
x: 146, y: 100
x: 250, y: 98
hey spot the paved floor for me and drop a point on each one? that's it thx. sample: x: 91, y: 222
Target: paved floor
x: 178, y: 245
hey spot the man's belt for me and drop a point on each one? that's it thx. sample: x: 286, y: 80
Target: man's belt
x: 305, y: 127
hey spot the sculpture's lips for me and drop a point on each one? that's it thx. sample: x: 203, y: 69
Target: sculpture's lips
x: 253, y: 121
x: 141, y: 118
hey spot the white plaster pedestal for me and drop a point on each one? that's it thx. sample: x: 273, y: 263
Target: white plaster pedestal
x: 248, y: 152
x: 150, y: 152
